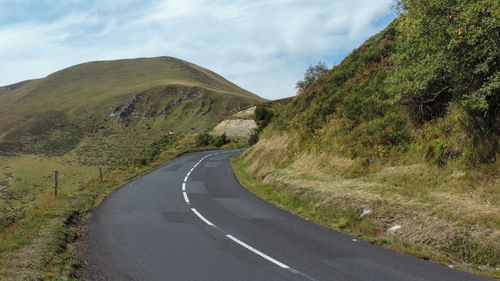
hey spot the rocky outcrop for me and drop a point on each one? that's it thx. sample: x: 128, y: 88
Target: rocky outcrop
x: 235, y: 128
x: 246, y: 113
x: 123, y: 111
x: 126, y: 110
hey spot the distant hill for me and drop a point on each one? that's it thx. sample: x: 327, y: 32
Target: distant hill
x: 147, y: 97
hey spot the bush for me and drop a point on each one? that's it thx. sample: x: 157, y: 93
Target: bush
x: 447, y: 55
x: 203, y: 139
x: 262, y: 117
x: 312, y: 74
x: 254, y: 138
x: 221, y: 140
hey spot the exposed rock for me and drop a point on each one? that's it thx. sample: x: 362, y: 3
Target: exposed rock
x: 115, y: 111
x: 366, y: 212
x: 235, y: 128
x: 246, y: 113
x: 124, y: 111
x: 393, y: 229
x: 206, y: 102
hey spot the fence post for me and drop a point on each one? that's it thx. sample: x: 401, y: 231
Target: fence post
x: 56, y: 182
x: 100, y: 172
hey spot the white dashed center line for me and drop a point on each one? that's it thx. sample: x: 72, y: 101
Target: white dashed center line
x: 185, y: 197
x: 234, y: 239
x: 202, y: 217
x: 280, y: 264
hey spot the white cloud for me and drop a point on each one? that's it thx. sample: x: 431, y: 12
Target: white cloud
x: 263, y: 46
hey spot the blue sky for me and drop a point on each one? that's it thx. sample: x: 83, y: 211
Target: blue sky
x: 264, y: 46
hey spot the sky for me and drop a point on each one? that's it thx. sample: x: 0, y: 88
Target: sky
x: 264, y: 46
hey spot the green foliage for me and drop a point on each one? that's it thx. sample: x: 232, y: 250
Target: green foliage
x: 94, y: 106
x: 312, y: 74
x: 392, y: 94
x: 262, y: 117
x: 448, y: 53
x: 153, y: 150
x: 221, y: 140
x: 203, y: 139
x: 254, y: 138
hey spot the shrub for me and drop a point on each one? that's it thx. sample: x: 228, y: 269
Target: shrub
x: 312, y: 74
x: 254, y: 138
x: 221, y: 140
x: 203, y: 139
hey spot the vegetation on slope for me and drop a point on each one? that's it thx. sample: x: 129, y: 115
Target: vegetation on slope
x: 126, y: 116
x: 403, y: 132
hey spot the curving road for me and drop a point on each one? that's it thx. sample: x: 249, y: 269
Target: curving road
x: 192, y: 220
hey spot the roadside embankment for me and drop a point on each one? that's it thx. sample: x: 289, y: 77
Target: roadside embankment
x: 443, y: 214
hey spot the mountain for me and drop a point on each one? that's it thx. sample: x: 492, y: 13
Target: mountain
x: 147, y: 97
x: 98, y: 124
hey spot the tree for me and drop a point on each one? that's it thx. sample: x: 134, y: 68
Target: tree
x: 221, y: 140
x: 262, y: 117
x: 448, y: 54
x: 448, y: 51
x: 203, y: 139
x: 312, y: 74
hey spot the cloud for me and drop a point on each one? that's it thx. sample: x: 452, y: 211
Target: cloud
x: 264, y: 46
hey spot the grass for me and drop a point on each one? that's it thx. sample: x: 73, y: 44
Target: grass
x: 39, y: 244
x: 353, y: 141
x: 438, y: 221
x: 53, y: 115
x: 63, y: 122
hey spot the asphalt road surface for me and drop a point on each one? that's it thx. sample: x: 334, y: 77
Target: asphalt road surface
x: 192, y: 220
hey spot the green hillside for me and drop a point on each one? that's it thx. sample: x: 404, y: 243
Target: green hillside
x: 405, y: 131
x: 51, y: 115
x: 126, y: 116
x: 104, y: 113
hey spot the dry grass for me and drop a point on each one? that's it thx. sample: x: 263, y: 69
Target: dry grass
x: 438, y: 220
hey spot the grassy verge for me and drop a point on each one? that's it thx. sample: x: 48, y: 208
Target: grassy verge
x: 39, y: 245
x: 353, y: 206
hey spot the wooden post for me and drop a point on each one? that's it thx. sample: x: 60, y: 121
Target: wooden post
x: 100, y: 172
x: 56, y: 182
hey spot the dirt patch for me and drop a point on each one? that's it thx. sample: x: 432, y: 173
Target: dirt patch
x: 235, y: 128
x: 246, y: 113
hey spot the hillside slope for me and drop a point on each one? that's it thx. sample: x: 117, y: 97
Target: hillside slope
x: 120, y: 117
x: 53, y: 114
x: 102, y: 114
x: 399, y: 144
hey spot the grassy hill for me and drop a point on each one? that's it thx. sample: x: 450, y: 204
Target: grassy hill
x: 399, y: 144
x: 125, y: 116
x: 104, y: 113
x: 51, y: 115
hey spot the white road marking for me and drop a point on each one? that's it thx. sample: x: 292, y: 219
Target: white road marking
x: 202, y: 217
x: 257, y: 251
x: 241, y: 243
x: 185, y: 197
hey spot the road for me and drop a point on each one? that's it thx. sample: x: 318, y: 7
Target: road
x: 192, y: 220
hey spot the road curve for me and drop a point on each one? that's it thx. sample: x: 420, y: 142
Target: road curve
x: 192, y: 220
